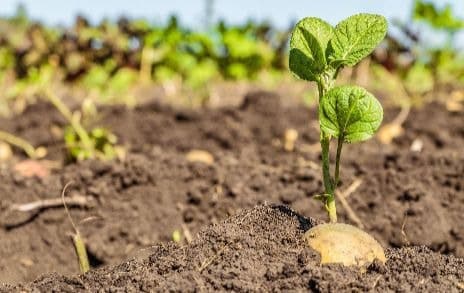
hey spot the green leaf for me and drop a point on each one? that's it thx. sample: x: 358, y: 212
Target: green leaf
x: 308, y: 44
x: 350, y: 112
x: 439, y: 18
x: 355, y: 38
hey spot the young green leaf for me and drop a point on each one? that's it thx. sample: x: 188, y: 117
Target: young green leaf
x: 350, y: 112
x: 308, y: 44
x: 355, y: 38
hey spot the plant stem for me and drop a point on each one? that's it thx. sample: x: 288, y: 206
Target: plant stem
x: 337, y: 160
x: 328, y: 183
x: 145, y: 64
x: 79, y: 244
x: 76, y: 125
x: 331, y: 209
x: 329, y: 201
x: 20, y: 143
x: 81, y: 253
x: 325, y: 145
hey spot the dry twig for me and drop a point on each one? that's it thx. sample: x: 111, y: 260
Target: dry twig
x: 342, y: 197
x: 403, y: 232
x: 187, y: 234
x: 210, y: 260
x: 376, y: 282
x: 76, y: 200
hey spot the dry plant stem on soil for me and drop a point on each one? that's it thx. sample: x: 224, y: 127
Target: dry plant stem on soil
x: 9, y: 138
x: 77, y: 200
x: 210, y: 260
x: 79, y: 244
x: 402, y: 115
x: 342, y: 198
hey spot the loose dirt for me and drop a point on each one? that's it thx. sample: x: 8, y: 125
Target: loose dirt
x: 405, y: 198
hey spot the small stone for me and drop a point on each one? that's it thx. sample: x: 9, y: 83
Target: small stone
x: 200, y: 156
x: 5, y: 152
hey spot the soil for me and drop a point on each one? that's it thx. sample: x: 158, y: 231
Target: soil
x: 261, y: 250
x: 406, y: 199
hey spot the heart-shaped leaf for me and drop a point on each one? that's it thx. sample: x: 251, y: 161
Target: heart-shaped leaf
x: 350, y: 112
x: 308, y: 44
x: 355, y: 38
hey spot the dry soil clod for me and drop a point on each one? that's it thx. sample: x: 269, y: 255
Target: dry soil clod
x: 200, y: 156
x: 290, y: 137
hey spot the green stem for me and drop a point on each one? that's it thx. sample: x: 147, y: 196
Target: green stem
x: 329, y: 201
x: 20, y: 143
x: 81, y: 253
x: 328, y: 182
x: 337, y: 160
x: 76, y: 125
x: 331, y: 209
x: 325, y: 147
x: 79, y: 244
x: 145, y: 64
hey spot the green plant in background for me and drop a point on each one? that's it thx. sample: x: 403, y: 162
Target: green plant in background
x: 444, y: 61
x: 412, y: 70
x: 111, y: 59
x: 82, y: 144
x: 110, y: 87
x: 245, y: 54
x: 102, y: 144
x: 350, y: 114
x: 442, y: 19
x: 29, y: 150
x: 98, y: 143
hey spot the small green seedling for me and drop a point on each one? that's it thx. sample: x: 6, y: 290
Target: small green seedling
x: 78, y: 242
x: 82, y: 144
x: 98, y: 143
x: 177, y: 236
x: 318, y: 51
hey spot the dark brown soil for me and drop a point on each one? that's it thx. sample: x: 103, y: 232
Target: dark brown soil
x: 261, y: 250
x: 405, y: 198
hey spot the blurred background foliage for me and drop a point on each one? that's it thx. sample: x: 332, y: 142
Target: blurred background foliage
x: 111, y: 61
